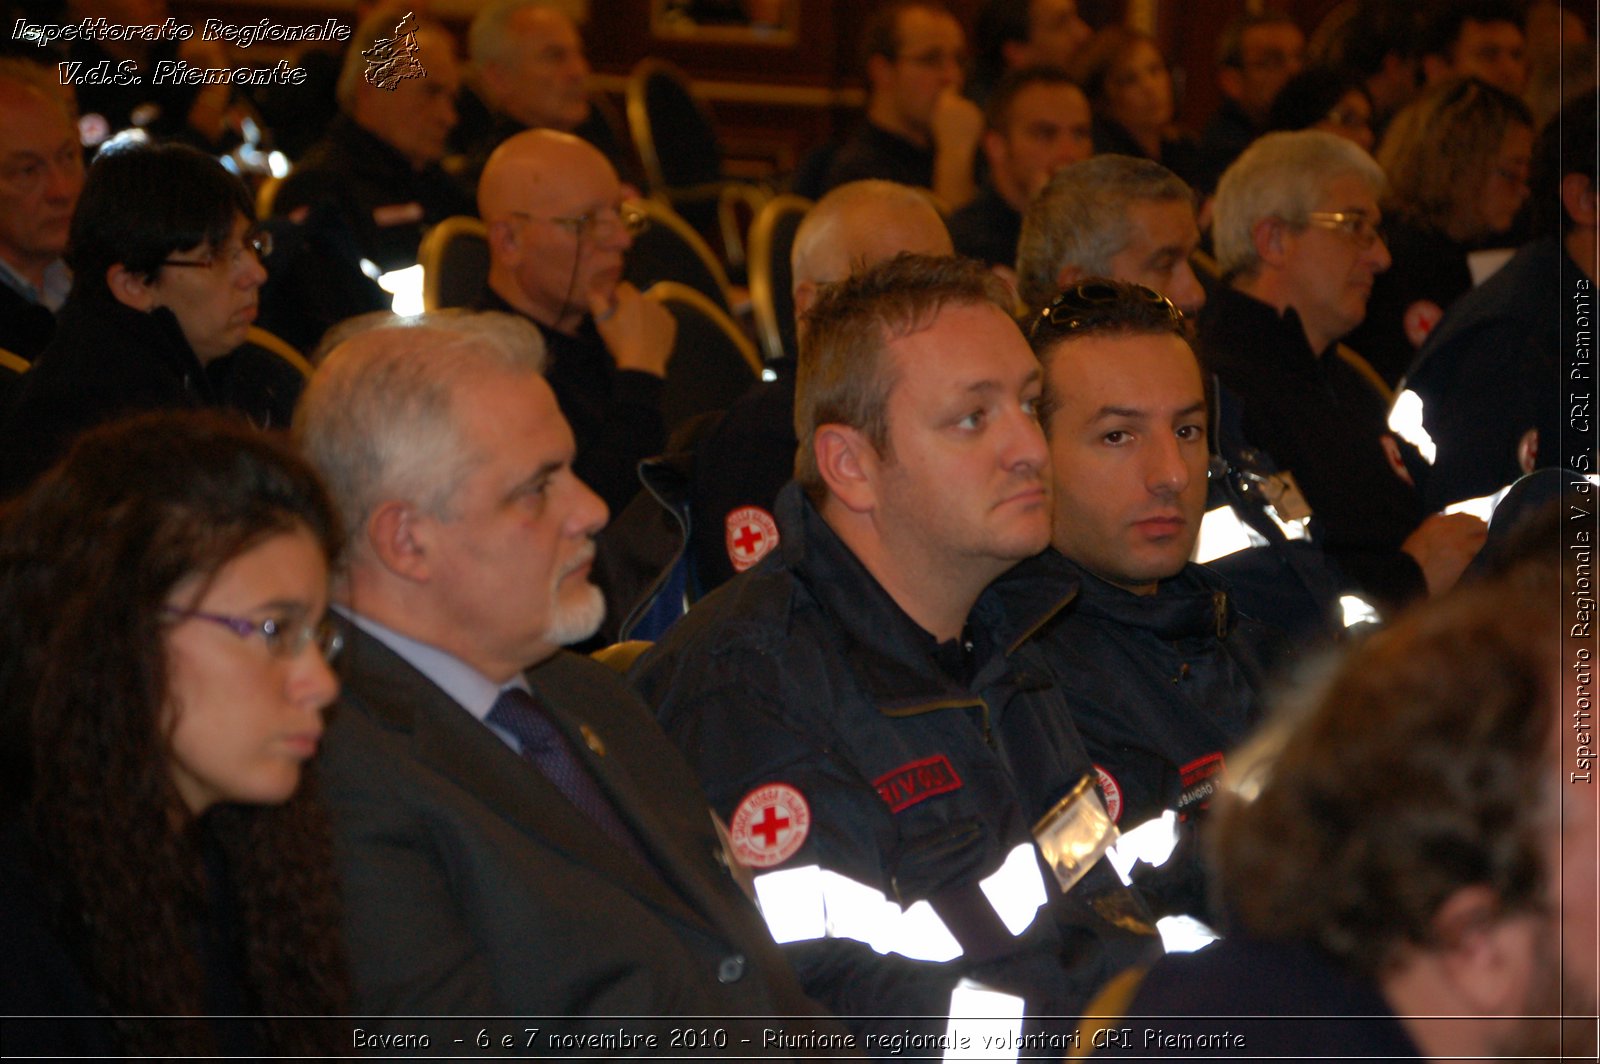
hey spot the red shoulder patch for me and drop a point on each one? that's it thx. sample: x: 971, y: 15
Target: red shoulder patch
x: 750, y: 534
x: 768, y: 825
x: 909, y: 784
x: 1111, y: 791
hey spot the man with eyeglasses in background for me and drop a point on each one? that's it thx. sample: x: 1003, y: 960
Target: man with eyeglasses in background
x: 919, y: 129
x: 166, y: 262
x: 1298, y: 241
x: 41, y: 174
x: 1256, y: 56
x: 559, y: 228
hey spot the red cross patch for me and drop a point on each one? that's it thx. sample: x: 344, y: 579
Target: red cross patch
x: 1419, y: 320
x: 1111, y: 791
x: 751, y: 533
x: 768, y: 825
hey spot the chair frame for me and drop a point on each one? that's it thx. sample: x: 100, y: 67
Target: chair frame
x: 269, y: 341
x: 432, y: 249
x: 664, y: 292
x: 660, y: 212
x: 762, y: 302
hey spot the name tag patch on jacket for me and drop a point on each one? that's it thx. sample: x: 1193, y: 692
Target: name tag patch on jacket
x: 1200, y: 778
x: 769, y: 825
x: 909, y: 784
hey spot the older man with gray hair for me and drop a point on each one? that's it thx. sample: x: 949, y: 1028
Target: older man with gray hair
x: 502, y: 807
x: 1298, y: 238
x: 1111, y: 216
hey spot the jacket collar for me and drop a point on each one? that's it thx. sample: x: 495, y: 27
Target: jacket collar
x: 1193, y: 604
x: 1238, y: 318
x: 889, y: 654
x: 92, y: 315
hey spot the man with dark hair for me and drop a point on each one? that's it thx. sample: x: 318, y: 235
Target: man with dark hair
x: 1409, y: 864
x: 1256, y: 55
x: 1013, y: 34
x: 515, y: 834
x: 1037, y: 121
x: 41, y: 174
x: 866, y: 706
x: 166, y: 261
x: 1376, y: 41
x: 376, y: 169
x: 1491, y: 376
x: 919, y: 129
x: 1479, y: 39
x: 1160, y: 670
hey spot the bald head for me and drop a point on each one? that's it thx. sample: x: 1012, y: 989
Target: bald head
x: 857, y: 225
x: 540, y: 261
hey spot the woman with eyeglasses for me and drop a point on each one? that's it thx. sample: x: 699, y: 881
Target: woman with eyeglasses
x: 164, y: 860
x: 1457, y: 160
x: 166, y: 275
x: 1323, y: 98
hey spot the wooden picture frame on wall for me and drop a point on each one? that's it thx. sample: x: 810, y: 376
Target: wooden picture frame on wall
x: 773, y: 23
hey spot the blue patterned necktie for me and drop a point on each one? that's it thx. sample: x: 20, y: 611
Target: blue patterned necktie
x: 546, y: 748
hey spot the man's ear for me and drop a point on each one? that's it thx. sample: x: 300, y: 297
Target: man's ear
x: 399, y: 535
x: 130, y: 289
x: 1231, y: 82
x: 1578, y: 198
x: 849, y: 465
x: 1489, y: 956
x: 505, y: 241
x: 1435, y: 69
x: 1267, y: 237
x: 879, y: 67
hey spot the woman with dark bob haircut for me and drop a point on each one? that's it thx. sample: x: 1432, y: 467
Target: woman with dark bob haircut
x: 163, y: 645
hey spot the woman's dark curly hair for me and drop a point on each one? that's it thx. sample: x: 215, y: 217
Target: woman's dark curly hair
x: 87, y: 560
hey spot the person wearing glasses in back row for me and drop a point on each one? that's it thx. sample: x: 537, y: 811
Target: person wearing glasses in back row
x: 559, y: 228
x: 166, y: 263
x: 1298, y: 239
x: 166, y: 865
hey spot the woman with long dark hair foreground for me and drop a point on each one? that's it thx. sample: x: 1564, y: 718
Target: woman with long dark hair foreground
x: 163, y: 645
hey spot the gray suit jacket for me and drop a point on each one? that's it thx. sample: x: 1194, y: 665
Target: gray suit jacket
x: 473, y: 887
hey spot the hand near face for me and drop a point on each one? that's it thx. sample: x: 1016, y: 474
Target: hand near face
x: 957, y: 121
x: 637, y: 331
x: 1444, y: 545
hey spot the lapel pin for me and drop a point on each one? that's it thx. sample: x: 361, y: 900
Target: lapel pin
x: 592, y: 740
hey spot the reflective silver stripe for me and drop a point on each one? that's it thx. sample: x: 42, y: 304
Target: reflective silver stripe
x: 1405, y: 421
x: 1016, y: 889
x: 984, y: 1024
x: 801, y: 904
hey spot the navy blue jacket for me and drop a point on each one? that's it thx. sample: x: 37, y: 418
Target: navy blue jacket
x: 922, y: 768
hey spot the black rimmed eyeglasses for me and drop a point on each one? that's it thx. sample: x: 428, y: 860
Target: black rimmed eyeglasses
x: 258, y: 244
x: 284, y: 638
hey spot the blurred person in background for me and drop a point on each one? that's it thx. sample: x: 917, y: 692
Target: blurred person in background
x: 1129, y: 84
x: 1458, y: 161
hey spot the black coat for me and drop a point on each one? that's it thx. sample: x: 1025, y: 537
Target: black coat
x: 107, y: 360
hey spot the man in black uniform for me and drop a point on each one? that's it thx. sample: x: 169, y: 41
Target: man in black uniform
x: 1037, y: 122
x: 1160, y: 670
x: 558, y: 231
x: 866, y: 706
x: 1297, y: 236
x: 377, y: 168
x: 919, y: 129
